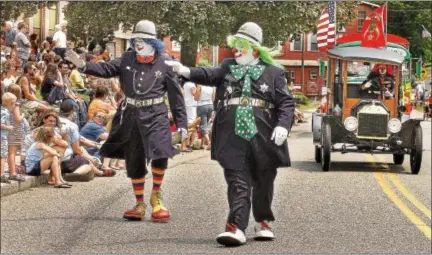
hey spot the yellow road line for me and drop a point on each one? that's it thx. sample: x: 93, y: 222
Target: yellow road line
x: 396, y: 181
x: 404, y: 209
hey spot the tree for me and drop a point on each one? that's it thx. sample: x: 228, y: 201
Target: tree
x: 13, y: 9
x: 406, y: 19
x: 206, y: 23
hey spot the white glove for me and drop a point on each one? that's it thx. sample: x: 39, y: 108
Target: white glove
x: 279, y: 135
x: 74, y: 58
x: 184, y: 133
x: 387, y: 93
x: 368, y: 84
x: 179, y: 68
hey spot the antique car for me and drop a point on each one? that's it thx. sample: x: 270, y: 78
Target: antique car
x: 365, y: 111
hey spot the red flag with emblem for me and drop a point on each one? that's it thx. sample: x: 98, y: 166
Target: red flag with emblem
x: 373, y: 29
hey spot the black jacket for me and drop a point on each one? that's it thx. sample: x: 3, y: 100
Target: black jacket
x: 228, y: 148
x: 143, y: 81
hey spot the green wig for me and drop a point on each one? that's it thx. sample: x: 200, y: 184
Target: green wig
x: 264, y: 53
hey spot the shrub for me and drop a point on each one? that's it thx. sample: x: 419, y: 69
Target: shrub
x: 301, y: 99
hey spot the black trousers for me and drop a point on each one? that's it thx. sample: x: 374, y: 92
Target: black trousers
x: 135, y: 158
x: 246, y: 187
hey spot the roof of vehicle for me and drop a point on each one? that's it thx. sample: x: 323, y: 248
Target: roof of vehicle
x: 363, y: 53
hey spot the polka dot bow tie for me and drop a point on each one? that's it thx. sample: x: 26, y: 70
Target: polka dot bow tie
x: 245, y: 126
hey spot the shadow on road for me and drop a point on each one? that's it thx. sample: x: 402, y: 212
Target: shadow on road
x: 349, y: 166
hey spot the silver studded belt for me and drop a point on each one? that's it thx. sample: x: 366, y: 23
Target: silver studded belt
x: 249, y: 101
x: 144, y: 102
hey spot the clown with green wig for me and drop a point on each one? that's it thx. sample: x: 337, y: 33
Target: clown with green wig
x: 250, y: 129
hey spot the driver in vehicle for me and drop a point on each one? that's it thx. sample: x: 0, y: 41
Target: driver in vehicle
x: 380, y: 79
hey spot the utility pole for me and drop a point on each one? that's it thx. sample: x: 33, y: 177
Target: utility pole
x: 302, y: 42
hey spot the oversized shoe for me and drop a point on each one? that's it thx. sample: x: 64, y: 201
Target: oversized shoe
x: 232, y: 236
x: 160, y: 213
x: 137, y: 213
x: 263, y: 231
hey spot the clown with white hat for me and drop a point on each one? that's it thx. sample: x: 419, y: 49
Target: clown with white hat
x: 141, y: 129
x: 255, y: 108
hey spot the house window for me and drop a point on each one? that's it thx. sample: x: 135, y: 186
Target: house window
x: 361, y: 16
x: 297, y: 44
x: 292, y: 76
x: 175, y: 46
x: 313, y: 75
x: 313, y: 43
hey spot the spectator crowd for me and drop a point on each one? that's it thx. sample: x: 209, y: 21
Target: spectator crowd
x: 54, y: 118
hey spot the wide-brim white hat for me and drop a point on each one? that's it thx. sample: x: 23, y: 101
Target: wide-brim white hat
x: 250, y: 31
x: 144, y: 29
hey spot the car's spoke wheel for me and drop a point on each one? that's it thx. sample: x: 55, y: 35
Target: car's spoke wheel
x: 326, y: 147
x: 417, y: 150
x: 317, y: 154
x: 398, y: 159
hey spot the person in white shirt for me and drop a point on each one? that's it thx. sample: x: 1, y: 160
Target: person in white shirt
x: 59, y: 40
x: 205, y: 96
x: 191, y: 105
x: 189, y: 91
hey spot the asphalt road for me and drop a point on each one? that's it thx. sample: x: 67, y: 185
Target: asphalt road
x: 365, y: 204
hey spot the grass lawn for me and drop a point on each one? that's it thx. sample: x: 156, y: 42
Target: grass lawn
x: 309, y: 105
x: 419, y: 108
x: 83, y: 96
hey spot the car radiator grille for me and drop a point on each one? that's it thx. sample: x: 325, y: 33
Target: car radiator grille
x: 372, y: 124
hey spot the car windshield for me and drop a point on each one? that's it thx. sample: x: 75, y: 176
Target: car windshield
x: 370, y: 80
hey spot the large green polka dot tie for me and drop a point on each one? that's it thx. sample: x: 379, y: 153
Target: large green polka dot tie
x: 245, y: 126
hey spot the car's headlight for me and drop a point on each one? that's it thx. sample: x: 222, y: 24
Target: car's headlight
x: 394, y: 125
x: 351, y: 123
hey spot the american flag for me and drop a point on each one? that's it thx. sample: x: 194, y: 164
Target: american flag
x: 326, y: 35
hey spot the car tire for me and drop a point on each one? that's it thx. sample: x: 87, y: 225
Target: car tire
x: 417, y: 150
x: 317, y: 154
x: 398, y: 159
x: 326, y: 147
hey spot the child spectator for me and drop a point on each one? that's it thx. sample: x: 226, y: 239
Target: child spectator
x: 98, y: 103
x: 8, y: 104
x: 40, y: 157
x: 16, y: 136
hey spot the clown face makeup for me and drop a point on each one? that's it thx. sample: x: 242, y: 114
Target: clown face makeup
x: 142, y: 48
x: 243, y: 56
x: 382, y: 69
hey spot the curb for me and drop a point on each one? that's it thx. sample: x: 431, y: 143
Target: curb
x: 35, y: 181
x: 30, y: 182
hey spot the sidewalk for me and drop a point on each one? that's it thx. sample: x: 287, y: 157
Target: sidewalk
x: 33, y: 181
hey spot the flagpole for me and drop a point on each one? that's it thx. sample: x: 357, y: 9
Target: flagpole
x: 336, y: 27
x: 386, y: 22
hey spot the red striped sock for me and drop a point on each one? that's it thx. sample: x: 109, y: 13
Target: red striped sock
x: 158, y: 175
x: 138, y: 188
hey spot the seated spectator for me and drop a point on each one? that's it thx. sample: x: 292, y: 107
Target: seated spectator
x: 53, y: 80
x: 192, y: 131
x: 76, y: 162
x: 99, y: 104
x: 39, y: 75
x: 76, y: 79
x: 41, y: 156
x: 95, y: 131
x: 16, y: 136
x: 8, y: 70
x: 30, y: 101
x: 79, y: 105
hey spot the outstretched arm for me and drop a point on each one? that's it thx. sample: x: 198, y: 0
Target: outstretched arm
x: 202, y: 75
x: 102, y: 69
